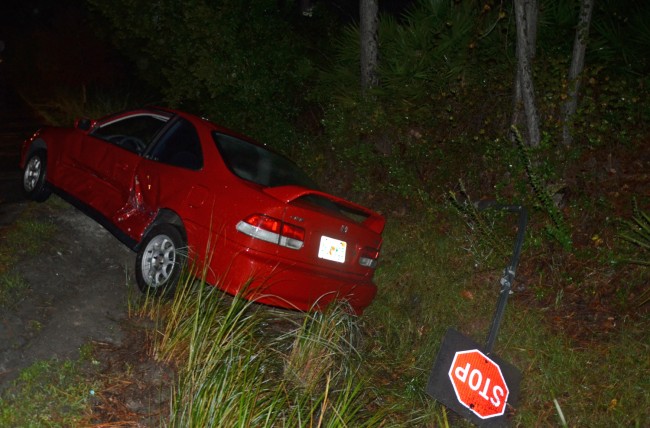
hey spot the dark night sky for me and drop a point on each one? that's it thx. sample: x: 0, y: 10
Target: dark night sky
x: 58, y: 39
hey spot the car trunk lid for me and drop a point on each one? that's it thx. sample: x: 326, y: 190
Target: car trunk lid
x: 339, y: 235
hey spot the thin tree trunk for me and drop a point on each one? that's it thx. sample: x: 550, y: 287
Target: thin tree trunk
x: 575, y: 71
x: 530, y: 8
x: 369, y: 17
x: 526, y: 20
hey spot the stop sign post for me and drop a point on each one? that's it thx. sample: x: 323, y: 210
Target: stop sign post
x: 470, y: 379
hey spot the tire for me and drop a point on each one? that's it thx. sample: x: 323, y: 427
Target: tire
x: 34, y: 184
x: 160, y: 260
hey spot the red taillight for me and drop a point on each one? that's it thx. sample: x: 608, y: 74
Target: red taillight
x: 293, y: 232
x: 272, y: 230
x: 368, y: 257
x: 264, y: 222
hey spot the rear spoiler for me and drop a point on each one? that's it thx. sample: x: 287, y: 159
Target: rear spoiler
x: 287, y: 194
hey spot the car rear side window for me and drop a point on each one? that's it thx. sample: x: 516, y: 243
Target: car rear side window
x: 258, y: 164
x: 179, y: 146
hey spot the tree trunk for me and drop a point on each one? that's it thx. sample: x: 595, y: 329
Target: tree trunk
x: 368, y: 11
x: 575, y: 71
x: 530, y: 10
x: 526, y: 22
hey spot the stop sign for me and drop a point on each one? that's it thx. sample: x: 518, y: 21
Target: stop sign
x: 479, y: 383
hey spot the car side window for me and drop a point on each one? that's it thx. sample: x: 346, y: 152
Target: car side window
x: 179, y: 146
x: 133, y: 133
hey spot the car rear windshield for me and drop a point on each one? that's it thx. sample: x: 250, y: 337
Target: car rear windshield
x: 260, y: 165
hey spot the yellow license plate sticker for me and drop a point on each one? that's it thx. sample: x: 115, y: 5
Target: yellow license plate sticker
x: 332, y: 249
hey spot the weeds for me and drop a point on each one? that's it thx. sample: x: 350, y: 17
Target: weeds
x: 637, y: 232
x: 484, y: 239
x: 25, y: 238
x: 558, y: 228
x: 12, y: 288
x: 48, y: 393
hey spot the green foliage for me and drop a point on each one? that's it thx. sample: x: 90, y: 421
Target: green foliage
x: 239, y: 63
x: 621, y: 36
x: 556, y: 25
x: 434, y: 81
x: 433, y: 46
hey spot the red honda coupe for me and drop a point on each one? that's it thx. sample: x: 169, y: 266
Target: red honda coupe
x: 171, y: 185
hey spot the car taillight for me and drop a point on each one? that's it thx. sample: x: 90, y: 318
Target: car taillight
x: 368, y: 257
x: 272, y: 230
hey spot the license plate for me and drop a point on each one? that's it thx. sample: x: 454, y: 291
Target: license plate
x: 332, y: 249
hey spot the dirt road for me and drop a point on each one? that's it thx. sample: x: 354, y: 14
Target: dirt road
x: 77, y: 291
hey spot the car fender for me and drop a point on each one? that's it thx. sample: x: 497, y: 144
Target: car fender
x: 30, y: 147
x: 164, y: 216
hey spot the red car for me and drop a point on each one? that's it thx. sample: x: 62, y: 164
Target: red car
x: 170, y: 185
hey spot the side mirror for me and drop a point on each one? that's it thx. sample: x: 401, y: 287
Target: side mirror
x: 84, y: 124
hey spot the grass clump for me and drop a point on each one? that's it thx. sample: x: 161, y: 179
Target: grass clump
x: 25, y: 238
x: 12, y: 288
x: 49, y: 393
x: 244, y: 365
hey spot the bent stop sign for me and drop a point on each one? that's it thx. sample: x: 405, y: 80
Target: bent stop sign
x: 482, y: 389
x: 478, y: 383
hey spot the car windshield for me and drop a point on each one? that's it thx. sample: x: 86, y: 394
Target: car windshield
x: 260, y: 165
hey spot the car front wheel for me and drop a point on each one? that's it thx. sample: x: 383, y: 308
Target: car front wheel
x: 160, y: 260
x: 34, y: 184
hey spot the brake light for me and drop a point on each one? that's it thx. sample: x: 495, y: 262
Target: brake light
x: 368, y: 257
x: 272, y: 230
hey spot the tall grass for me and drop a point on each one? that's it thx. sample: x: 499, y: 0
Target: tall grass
x: 244, y: 365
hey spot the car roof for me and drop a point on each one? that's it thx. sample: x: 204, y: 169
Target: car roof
x: 204, y: 121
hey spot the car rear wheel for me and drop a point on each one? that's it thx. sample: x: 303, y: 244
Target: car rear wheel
x: 34, y: 184
x: 160, y: 260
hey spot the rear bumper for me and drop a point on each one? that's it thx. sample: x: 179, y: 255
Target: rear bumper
x: 289, y: 285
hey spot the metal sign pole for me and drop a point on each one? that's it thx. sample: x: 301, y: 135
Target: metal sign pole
x: 508, y: 273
